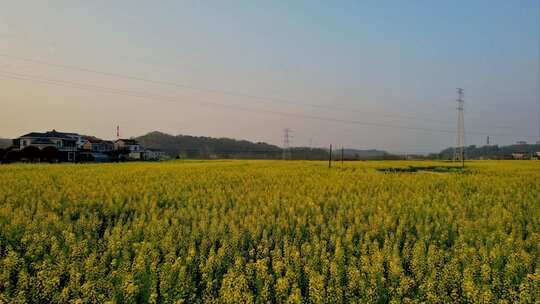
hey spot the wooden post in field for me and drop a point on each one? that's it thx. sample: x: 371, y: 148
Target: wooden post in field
x: 330, y: 158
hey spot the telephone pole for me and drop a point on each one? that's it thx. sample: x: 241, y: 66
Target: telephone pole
x: 330, y: 158
x: 287, y: 143
x: 342, y: 156
x: 459, y: 151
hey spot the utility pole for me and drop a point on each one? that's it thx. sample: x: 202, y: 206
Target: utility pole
x: 330, y: 158
x: 342, y: 154
x: 459, y: 151
x: 287, y: 143
x: 310, y: 151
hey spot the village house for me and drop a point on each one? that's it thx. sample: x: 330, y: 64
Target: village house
x: 72, y: 147
x: 154, y: 154
x: 130, y: 147
x: 520, y: 155
x: 96, y: 149
x: 65, y: 143
x: 95, y: 144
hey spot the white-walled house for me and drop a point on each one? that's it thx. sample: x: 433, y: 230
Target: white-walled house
x: 95, y: 144
x: 75, y: 147
x: 131, y: 147
x: 65, y: 143
x: 62, y: 141
x: 154, y: 154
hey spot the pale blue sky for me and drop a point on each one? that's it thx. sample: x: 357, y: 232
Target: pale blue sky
x: 391, y: 67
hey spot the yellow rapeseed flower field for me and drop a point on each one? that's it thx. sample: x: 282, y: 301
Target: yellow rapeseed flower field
x: 270, y: 232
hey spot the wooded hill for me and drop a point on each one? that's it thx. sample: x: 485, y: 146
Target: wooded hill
x: 491, y: 151
x: 187, y: 146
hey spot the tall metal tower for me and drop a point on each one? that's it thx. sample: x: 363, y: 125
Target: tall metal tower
x: 459, y: 151
x: 287, y: 143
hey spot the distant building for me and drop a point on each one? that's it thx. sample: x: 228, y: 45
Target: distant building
x: 95, y: 144
x: 154, y: 154
x: 65, y: 143
x: 129, y: 147
x: 520, y: 155
x: 73, y: 147
x: 521, y: 142
x: 95, y: 149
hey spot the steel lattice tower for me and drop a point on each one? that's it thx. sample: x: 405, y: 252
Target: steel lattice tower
x: 287, y: 143
x: 459, y: 151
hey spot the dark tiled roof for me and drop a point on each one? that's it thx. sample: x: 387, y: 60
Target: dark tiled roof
x: 94, y: 139
x: 42, y: 141
x: 52, y: 134
x: 34, y: 134
x: 129, y: 141
x: 57, y: 134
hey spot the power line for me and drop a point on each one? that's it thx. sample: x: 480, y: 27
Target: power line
x: 209, y: 103
x: 259, y: 98
x: 204, y: 89
x: 172, y: 99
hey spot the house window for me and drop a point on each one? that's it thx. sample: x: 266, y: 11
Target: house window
x: 24, y: 143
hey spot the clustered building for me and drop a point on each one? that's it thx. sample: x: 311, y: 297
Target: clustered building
x: 73, y: 147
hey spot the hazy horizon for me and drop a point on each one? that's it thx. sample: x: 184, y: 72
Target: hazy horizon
x: 365, y: 75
